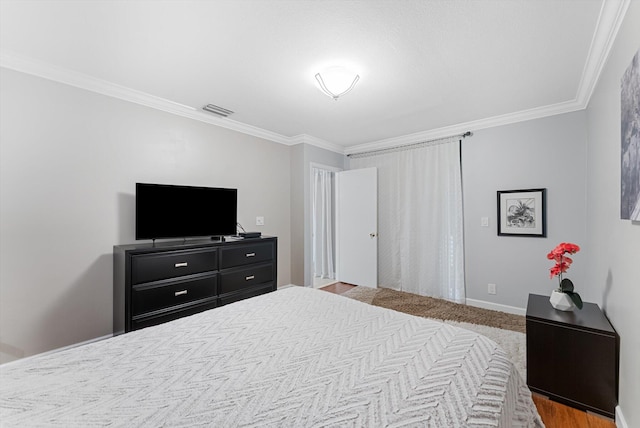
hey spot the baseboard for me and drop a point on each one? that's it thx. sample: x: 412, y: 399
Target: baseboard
x: 620, y: 420
x: 64, y: 348
x: 86, y: 342
x: 496, y: 307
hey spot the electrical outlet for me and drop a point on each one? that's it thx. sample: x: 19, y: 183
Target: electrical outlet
x: 259, y: 221
x: 492, y: 289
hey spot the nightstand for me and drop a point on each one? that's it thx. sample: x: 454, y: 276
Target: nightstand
x: 572, y: 357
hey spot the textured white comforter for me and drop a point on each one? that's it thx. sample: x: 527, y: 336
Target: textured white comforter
x: 295, y: 357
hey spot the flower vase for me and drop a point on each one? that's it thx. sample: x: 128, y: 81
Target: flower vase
x: 561, y: 301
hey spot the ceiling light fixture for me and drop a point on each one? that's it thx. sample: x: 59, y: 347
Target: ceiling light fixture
x: 336, y: 81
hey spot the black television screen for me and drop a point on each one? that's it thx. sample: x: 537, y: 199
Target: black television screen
x: 166, y: 211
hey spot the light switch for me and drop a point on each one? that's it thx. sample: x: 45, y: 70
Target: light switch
x: 484, y: 221
x: 259, y: 221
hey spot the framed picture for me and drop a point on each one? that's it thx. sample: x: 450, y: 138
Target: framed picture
x: 522, y: 212
x: 630, y: 129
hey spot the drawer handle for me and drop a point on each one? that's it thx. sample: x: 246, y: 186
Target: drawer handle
x: 250, y: 254
x: 183, y: 264
x: 180, y: 293
x: 249, y: 278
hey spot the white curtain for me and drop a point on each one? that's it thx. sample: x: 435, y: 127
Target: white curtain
x: 420, y: 223
x: 323, y: 224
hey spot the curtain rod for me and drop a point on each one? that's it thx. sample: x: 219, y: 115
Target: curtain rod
x: 409, y: 146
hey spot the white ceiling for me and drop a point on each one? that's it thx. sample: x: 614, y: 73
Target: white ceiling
x: 426, y: 67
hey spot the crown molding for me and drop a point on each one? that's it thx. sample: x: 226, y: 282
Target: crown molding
x: 609, y: 21
x: 318, y: 142
x: 48, y: 71
x: 461, y: 128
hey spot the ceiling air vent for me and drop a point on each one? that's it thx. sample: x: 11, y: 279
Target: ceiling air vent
x: 217, y: 110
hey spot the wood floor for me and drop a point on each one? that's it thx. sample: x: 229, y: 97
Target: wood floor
x: 554, y: 415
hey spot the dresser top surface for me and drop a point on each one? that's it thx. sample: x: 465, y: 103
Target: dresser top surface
x: 590, y: 317
x: 193, y: 243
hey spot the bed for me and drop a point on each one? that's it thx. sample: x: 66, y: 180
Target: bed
x: 296, y: 357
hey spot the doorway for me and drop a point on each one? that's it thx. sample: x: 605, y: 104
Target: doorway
x: 323, y: 225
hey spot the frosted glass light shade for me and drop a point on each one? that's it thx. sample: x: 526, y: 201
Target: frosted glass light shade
x: 336, y: 81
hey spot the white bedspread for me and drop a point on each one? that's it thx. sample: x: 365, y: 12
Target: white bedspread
x: 295, y: 357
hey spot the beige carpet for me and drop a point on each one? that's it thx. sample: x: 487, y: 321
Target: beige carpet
x: 507, y: 330
x: 429, y: 307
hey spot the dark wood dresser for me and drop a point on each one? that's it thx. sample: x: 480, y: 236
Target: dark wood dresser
x: 572, y: 357
x: 156, y: 283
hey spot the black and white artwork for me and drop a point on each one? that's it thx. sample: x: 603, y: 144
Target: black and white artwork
x: 521, y: 212
x: 630, y: 133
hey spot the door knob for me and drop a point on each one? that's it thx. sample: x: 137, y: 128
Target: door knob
x: 372, y: 235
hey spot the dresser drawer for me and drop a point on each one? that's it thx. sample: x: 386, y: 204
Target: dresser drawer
x: 172, y: 293
x: 246, y: 254
x: 139, y: 322
x: 153, y: 267
x: 252, y: 292
x: 245, y: 278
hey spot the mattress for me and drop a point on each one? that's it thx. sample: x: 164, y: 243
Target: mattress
x: 296, y: 357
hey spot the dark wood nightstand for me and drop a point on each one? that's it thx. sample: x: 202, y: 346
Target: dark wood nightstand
x: 572, y: 357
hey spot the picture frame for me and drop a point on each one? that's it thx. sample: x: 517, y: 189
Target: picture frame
x: 522, y: 213
x: 630, y: 144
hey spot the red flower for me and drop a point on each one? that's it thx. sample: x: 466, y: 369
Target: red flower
x: 562, y: 262
x: 567, y: 247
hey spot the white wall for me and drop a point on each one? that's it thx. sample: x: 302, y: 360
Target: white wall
x: 69, y: 162
x: 614, y: 260
x: 544, y: 153
x: 297, y: 214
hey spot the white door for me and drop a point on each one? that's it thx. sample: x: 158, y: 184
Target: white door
x: 357, y: 227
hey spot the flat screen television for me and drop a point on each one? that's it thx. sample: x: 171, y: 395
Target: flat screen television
x: 167, y: 211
